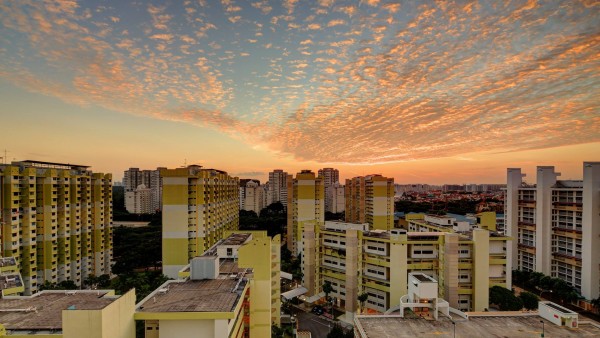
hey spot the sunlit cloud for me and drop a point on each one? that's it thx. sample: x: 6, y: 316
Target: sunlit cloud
x: 343, y: 82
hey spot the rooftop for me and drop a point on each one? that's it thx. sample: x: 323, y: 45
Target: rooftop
x: 489, y: 326
x: 51, y: 165
x: 208, y: 295
x: 43, y: 311
x: 235, y: 239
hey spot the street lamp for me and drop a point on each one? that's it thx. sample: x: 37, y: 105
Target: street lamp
x: 454, y: 328
x: 543, y: 330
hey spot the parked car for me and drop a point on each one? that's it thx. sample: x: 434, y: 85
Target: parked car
x: 318, y: 310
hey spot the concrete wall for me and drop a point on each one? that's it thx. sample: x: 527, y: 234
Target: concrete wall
x: 114, y: 321
x: 590, y: 270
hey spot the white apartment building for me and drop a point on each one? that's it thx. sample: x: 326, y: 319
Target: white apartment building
x: 277, y: 187
x: 556, y: 225
x: 140, y: 201
x: 134, y: 177
x: 251, y: 196
x: 331, y: 177
x: 338, y: 198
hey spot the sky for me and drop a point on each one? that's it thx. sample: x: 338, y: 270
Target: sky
x: 425, y: 92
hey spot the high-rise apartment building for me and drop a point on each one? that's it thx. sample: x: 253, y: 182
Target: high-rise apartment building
x: 134, y: 177
x: 199, y: 205
x: 338, y: 199
x: 370, y: 199
x: 278, y: 187
x: 251, y: 196
x: 556, y: 225
x: 306, y: 199
x: 465, y: 260
x: 330, y: 177
x: 56, y: 220
x: 140, y: 201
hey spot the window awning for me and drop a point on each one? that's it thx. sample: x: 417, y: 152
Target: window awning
x: 294, y: 293
x: 285, y: 275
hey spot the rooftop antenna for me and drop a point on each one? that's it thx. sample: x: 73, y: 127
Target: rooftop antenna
x: 185, y: 162
x: 5, y: 157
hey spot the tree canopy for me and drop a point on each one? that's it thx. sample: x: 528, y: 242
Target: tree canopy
x: 505, y: 299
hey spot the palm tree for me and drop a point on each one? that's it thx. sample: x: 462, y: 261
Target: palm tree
x: 362, y: 298
x: 327, y: 288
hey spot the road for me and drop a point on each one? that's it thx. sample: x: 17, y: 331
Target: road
x: 318, y: 326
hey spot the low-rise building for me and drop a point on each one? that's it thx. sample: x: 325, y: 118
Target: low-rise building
x: 514, y: 324
x: 68, y: 314
x: 232, y: 290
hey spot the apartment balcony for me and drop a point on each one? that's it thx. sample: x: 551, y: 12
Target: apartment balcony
x: 527, y: 203
x: 564, y: 229
x: 568, y: 256
x: 571, y: 206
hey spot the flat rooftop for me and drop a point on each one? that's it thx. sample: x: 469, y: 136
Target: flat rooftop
x: 44, y: 310
x: 423, y: 278
x: 10, y: 280
x: 500, y: 326
x: 208, y: 295
x: 235, y: 239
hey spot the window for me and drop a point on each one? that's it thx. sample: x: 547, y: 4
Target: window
x: 229, y: 251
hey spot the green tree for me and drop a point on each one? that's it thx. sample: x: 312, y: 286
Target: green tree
x: 530, y: 300
x: 276, y: 331
x: 505, y: 299
x: 327, y: 288
x: 64, y: 285
x: 534, y: 280
x: 362, y: 298
x: 596, y: 304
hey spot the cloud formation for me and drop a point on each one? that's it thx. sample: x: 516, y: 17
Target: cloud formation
x: 338, y: 81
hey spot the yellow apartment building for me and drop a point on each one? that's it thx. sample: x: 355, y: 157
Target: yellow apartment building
x: 56, y: 221
x: 370, y: 199
x: 356, y: 259
x: 306, y: 206
x: 199, y: 206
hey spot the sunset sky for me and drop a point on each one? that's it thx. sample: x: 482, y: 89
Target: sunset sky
x: 425, y: 92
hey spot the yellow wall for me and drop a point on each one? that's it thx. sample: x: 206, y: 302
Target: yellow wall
x: 114, y: 321
x: 257, y: 255
x: 481, y: 261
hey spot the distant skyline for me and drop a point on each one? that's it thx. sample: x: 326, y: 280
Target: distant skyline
x: 423, y: 92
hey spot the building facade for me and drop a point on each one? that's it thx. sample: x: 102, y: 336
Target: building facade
x: 306, y: 199
x: 56, y: 221
x: 140, y: 201
x: 69, y: 314
x: 370, y: 199
x: 331, y: 177
x: 134, y: 177
x: 277, y: 187
x: 251, y: 196
x: 556, y: 225
x: 355, y: 259
x: 232, y: 290
x: 338, y: 199
x: 199, y: 205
